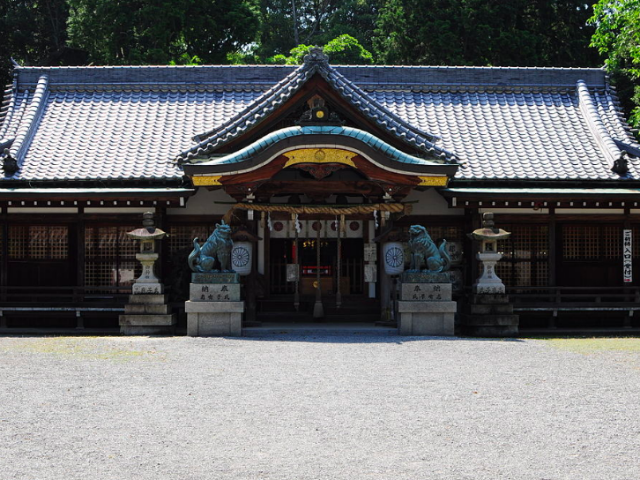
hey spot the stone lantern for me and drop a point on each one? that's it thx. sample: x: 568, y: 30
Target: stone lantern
x: 147, y: 312
x: 488, y: 235
x: 488, y: 312
x: 147, y: 283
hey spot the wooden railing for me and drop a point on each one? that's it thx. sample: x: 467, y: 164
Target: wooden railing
x: 599, y: 298
x: 74, y: 296
x: 46, y: 302
x: 554, y: 300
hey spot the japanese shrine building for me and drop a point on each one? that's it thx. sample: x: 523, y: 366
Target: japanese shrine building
x: 86, y: 150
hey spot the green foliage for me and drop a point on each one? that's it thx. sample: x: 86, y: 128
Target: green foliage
x: 484, y: 32
x: 34, y: 33
x: 161, y: 31
x: 346, y: 50
x: 315, y: 22
x: 297, y: 54
x: 617, y: 36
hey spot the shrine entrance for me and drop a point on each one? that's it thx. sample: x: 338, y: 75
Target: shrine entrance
x: 351, y: 275
x: 317, y: 174
x: 330, y: 266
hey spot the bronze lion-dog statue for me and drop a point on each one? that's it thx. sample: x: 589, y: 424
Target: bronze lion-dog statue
x: 424, y: 251
x: 217, y: 248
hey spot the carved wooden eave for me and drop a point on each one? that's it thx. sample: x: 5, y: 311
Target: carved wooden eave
x: 320, y: 151
x: 317, y: 133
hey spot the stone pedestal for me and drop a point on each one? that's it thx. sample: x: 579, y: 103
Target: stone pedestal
x: 489, y: 282
x: 214, y: 307
x: 489, y: 315
x: 147, y: 314
x: 425, y: 306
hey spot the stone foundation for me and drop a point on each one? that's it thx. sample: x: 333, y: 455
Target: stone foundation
x: 214, y: 319
x: 214, y: 308
x: 489, y: 316
x: 425, y: 306
x: 147, y: 315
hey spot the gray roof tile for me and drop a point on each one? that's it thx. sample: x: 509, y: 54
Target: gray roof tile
x: 93, y: 123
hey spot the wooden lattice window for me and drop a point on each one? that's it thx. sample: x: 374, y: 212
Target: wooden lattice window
x: 181, y: 236
x: 110, y: 256
x: 591, y: 242
x: 612, y: 241
x: 581, y: 242
x: 525, y: 260
x: 450, y: 234
x: 38, y: 242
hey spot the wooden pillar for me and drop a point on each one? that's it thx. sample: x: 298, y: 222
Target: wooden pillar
x: 627, y: 226
x: 80, y: 259
x: 476, y: 222
x: 553, y: 248
x: 339, y: 276
x: 296, y: 294
x: 318, y: 308
x: 554, y: 238
x: 161, y: 222
x: 267, y: 258
x: 4, y: 276
x: 252, y: 279
x: 80, y: 248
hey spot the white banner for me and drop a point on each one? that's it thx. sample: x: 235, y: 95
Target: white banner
x: 627, y: 256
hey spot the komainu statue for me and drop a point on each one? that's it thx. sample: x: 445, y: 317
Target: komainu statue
x: 217, y: 248
x: 424, y: 251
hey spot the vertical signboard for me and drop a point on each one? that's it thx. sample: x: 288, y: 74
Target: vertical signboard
x: 627, y: 256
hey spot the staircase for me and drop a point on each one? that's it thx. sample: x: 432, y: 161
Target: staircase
x: 354, y: 309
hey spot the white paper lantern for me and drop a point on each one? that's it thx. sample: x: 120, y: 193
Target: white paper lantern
x: 242, y: 257
x: 393, y: 258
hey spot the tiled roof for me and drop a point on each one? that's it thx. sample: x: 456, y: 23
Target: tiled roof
x: 122, y: 123
x: 315, y: 62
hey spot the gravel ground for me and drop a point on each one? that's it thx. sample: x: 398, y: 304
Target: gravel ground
x: 333, y: 407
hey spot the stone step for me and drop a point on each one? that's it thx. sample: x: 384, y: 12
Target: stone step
x: 489, y: 320
x: 496, y: 309
x: 148, y: 320
x: 494, y: 331
x: 489, y: 299
x: 149, y: 299
x: 141, y: 309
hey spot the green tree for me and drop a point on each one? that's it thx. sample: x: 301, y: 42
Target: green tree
x: 286, y: 24
x: 161, y: 31
x: 484, y: 32
x: 346, y: 50
x: 342, y: 50
x: 34, y: 33
x: 617, y: 36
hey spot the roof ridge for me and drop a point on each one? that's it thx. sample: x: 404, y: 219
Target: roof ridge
x: 31, y: 117
x: 314, y: 62
x: 9, y: 94
x: 256, y: 105
x: 604, y: 140
x: 430, y: 138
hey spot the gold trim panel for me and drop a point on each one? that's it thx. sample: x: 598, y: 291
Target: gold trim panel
x: 440, y: 181
x: 205, y: 181
x: 320, y: 155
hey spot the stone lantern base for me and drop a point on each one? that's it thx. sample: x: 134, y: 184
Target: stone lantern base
x: 147, y: 314
x: 489, y: 315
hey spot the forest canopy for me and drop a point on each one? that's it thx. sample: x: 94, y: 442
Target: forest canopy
x: 562, y: 33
